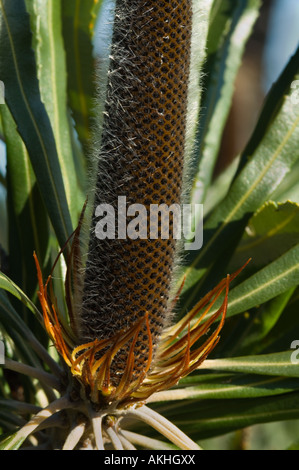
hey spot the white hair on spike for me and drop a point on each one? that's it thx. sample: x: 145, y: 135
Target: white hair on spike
x: 142, y: 153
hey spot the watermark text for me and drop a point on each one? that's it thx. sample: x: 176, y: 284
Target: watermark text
x: 295, y: 353
x: 2, y: 93
x: 161, y: 221
x: 2, y: 355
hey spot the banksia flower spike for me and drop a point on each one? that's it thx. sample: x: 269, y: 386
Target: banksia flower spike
x: 121, y: 346
x: 141, y: 163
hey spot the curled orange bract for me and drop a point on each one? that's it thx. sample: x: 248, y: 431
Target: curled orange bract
x: 178, y: 353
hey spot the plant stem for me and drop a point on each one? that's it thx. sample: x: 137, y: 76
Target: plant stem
x: 97, y: 422
x: 114, y: 437
x: 39, y: 418
x: 42, y: 376
x: 127, y: 444
x: 44, y: 355
x: 20, y: 407
x: 145, y: 441
x: 170, y: 395
x: 74, y: 436
x: 164, y: 426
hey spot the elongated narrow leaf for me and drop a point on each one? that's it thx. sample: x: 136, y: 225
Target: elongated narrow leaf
x: 253, y: 331
x: 9, y: 318
x: 18, y: 71
x: 10, y: 420
x: 212, y: 418
x: 203, y: 419
x: 51, y: 69
x: 78, y: 18
x: 8, y: 285
x: 282, y: 333
x: 272, y: 231
x: 262, y: 174
x: 276, y: 364
x: 19, y: 407
x: 294, y: 446
x: 230, y: 27
x: 289, y: 189
x: 276, y: 278
x: 6, y: 443
x: 24, y: 342
x: 227, y: 386
x: 28, y: 220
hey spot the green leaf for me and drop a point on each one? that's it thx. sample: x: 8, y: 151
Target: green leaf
x: 276, y: 364
x: 229, y: 386
x: 8, y: 285
x: 272, y: 231
x: 271, y: 281
x: 230, y: 26
x: 18, y: 330
x: 20, y: 333
x: 78, y: 17
x: 202, y: 419
x: 253, y: 332
x: 282, y: 333
x: 294, y: 446
x: 254, y: 184
x: 51, y: 69
x: 28, y: 221
x: 10, y: 420
x: 19, y: 407
x: 289, y: 188
x: 219, y: 187
x: 6, y: 443
x: 212, y: 418
x: 18, y: 71
x: 276, y: 278
x: 26, y: 345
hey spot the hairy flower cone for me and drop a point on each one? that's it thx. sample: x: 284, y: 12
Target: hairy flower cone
x: 142, y: 158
